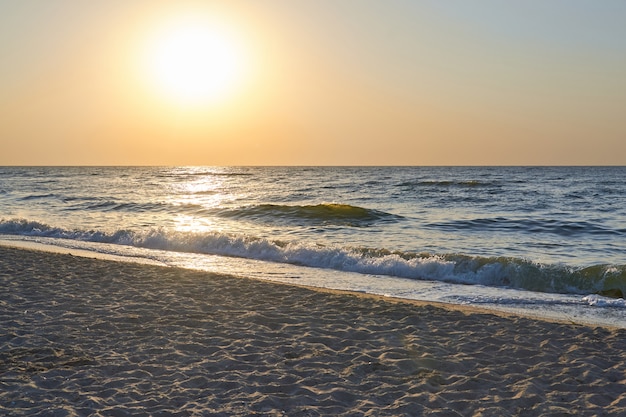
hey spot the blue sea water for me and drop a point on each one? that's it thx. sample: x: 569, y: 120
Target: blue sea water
x: 537, y: 238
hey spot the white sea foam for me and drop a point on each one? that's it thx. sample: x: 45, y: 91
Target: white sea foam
x: 600, y: 301
x: 453, y: 268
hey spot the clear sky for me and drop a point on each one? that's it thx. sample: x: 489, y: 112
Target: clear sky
x: 312, y: 82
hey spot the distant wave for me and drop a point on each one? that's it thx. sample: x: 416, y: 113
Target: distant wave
x: 455, y: 268
x: 37, y: 197
x: 203, y: 173
x: 447, y: 183
x: 323, y: 214
x: 216, y: 174
x: 559, y: 227
x: 110, y: 205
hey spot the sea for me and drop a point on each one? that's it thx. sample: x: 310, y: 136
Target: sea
x: 540, y: 241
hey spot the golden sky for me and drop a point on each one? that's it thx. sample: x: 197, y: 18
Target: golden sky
x: 304, y: 82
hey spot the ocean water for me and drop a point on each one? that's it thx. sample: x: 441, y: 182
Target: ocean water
x: 540, y: 239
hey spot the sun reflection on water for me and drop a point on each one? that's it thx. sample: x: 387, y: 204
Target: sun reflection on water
x: 194, y: 224
x: 200, y: 193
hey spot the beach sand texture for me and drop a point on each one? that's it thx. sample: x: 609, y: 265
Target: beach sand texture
x: 85, y: 337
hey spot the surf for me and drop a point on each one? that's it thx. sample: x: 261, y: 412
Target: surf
x: 506, y: 272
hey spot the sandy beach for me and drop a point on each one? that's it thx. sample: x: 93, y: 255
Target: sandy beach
x: 82, y: 336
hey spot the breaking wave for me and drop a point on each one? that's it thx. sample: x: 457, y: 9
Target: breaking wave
x: 509, y: 272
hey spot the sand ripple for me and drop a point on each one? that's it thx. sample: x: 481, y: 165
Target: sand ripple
x: 87, y: 337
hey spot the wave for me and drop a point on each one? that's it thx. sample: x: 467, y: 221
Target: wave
x: 559, y: 227
x: 109, y: 205
x: 203, y: 173
x: 447, y: 183
x: 608, y: 280
x: 327, y: 214
x: 319, y: 214
x: 37, y: 197
x: 212, y: 174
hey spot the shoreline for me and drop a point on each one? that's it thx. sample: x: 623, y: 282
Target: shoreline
x: 42, y: 247
x: 99, y: 337
x: 561, y: 308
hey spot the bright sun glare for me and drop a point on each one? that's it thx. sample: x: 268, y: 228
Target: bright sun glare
x: 192, y: 61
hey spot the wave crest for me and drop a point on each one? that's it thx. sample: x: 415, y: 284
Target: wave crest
x: 319, y: 214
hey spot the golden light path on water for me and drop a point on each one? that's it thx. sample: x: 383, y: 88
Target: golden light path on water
x: 202, y: 192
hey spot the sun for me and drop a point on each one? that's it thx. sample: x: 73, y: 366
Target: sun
x: 192, y: 61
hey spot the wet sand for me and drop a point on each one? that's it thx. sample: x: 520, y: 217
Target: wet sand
x: 82, y: 336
